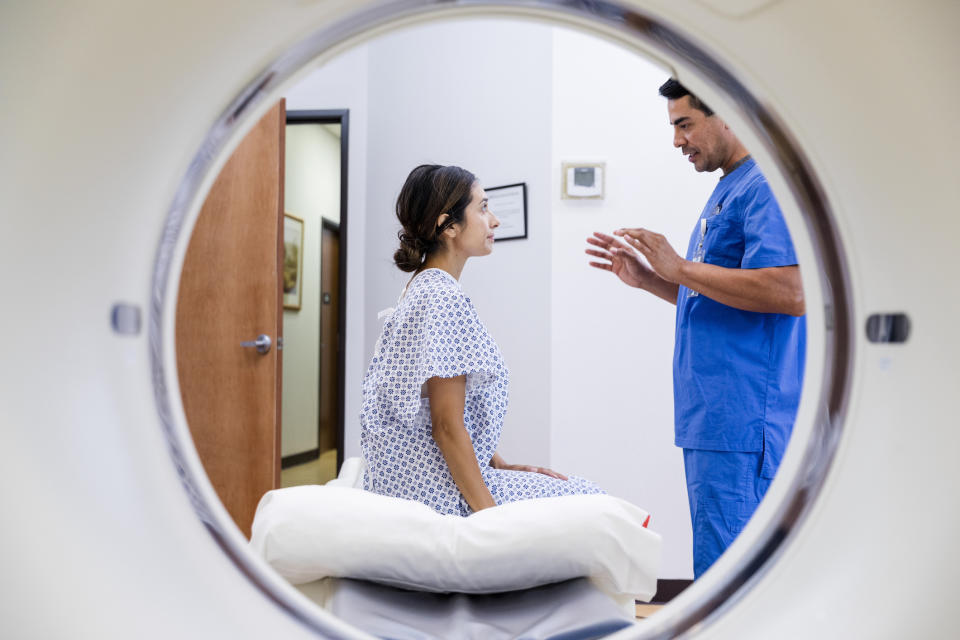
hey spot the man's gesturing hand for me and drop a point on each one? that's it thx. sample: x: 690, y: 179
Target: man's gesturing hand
x: 658, y: 252
x: 618, y: 258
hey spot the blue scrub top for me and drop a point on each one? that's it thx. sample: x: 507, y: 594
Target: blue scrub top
x: 737, y: 374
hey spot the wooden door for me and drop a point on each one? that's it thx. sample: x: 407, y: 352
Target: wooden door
x: 329, y: 337
x: 231, y: 292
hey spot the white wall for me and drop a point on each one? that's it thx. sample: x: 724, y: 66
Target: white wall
x: 312, y: 193
x: 458, y: 93
x: 341, y: 84
x: 612, y: 346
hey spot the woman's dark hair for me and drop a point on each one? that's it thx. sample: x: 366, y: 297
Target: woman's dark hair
x: 430, y: 191
x: 673, y: 90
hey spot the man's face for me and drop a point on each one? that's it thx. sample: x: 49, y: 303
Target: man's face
x: 703, y: 139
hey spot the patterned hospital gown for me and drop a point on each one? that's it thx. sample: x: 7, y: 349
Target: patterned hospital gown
x: 435, y: 331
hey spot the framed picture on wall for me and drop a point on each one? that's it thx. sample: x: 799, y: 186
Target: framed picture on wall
x: 509, y: 204
x: 292, y: 262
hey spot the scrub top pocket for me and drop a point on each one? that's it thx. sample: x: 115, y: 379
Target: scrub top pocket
x: 723, y: 243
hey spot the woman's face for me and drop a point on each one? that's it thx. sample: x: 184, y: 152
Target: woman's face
x: 475, y: 235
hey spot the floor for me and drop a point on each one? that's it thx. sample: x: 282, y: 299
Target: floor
x: 647, y: 610
x: 314, y: 472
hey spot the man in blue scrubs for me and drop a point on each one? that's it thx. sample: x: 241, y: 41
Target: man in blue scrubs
x: 740, y: 333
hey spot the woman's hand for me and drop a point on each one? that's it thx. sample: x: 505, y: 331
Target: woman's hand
x: 499, y: 463
x: 532, y: 469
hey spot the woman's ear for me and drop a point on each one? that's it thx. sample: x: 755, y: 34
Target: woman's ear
x: 442, y: 220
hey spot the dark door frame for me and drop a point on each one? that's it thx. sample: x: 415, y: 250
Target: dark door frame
x: 341, y: 117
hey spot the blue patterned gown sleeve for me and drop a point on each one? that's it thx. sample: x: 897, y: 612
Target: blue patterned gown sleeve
x: 435, y: 331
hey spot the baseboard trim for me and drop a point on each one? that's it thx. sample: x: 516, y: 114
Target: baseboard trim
x: 299, y: 458
x: 667, y: 590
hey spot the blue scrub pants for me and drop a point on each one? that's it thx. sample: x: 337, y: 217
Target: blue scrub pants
x: 724, y: 489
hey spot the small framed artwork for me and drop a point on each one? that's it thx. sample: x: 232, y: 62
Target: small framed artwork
x: 509, y: 204
x: 292, y: 262
x: 583, y: 179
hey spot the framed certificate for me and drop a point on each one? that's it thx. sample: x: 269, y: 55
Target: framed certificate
x: 509, y: 204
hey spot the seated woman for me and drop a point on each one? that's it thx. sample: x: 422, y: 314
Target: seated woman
x: 435, y: 393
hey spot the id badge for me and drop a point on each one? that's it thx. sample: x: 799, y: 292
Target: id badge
x: 699, y: 252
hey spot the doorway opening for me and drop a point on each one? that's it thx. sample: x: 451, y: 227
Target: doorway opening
x: 317, y: 147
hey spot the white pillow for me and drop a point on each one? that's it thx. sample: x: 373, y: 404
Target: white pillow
x: 351, y: 474
x: 310, y: 532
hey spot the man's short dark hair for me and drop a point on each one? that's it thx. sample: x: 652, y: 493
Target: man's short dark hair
x: 673, y: 90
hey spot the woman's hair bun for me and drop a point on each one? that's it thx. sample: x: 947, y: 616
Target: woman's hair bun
x: 411, y: 253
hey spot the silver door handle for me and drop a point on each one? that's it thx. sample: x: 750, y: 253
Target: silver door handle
x: 262, y: 343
